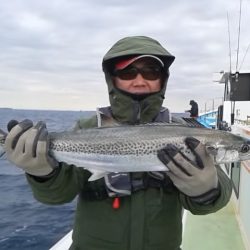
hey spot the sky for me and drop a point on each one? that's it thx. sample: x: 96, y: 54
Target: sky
x: 51, y: 51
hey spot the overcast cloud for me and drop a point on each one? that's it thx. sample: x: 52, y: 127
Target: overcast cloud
x: 51, y: 51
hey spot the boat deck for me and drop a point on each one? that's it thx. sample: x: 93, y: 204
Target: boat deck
x: 217, y: 231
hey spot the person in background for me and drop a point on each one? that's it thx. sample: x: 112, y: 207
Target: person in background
x: 149, y: 215
x: 194, y: 111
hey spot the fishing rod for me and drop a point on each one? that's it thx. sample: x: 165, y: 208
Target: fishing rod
x: 229, y: 45
x: 244, y: 56
x: 239, y: 29
x: 237, y: 61
x: 226, y: 88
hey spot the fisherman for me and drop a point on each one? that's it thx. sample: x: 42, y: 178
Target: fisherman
x: 194, y: 111
x: 133, y: 211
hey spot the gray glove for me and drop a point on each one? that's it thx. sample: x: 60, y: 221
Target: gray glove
x: 191, y: 178
x: 26, y: 146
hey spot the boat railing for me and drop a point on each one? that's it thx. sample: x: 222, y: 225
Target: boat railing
x: 243, y: 122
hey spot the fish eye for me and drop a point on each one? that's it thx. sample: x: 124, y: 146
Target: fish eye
x: 244, y: 148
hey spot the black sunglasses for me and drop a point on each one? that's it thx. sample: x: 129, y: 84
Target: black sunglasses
x: 148, y: 72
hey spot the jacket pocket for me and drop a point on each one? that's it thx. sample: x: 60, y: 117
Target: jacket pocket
x: 99, y: 224
x: 163, y: 220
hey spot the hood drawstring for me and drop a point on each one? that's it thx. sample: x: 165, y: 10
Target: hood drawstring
x: 137, y: 111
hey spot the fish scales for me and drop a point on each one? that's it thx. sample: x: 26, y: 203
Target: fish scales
x: 134, y: 148
x: 134, y: 140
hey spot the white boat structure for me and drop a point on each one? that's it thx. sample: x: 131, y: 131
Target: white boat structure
x: 236, y: 113
x: 228, y: 228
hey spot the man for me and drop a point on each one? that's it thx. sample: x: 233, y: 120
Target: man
x: 194, y: 111
x: 150, y: 218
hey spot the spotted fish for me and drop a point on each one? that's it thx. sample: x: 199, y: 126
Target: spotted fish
x: 134, y: 148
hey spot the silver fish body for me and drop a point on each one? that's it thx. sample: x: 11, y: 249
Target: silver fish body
x: 134, y: 148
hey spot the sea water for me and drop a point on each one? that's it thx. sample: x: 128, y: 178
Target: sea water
x: 24, y: 222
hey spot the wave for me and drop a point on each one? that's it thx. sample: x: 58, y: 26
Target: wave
x: 25, y: 223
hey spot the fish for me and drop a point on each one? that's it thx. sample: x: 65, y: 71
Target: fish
x: 129, y: 148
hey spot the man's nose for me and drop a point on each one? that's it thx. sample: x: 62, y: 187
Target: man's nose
x: 139, y: 80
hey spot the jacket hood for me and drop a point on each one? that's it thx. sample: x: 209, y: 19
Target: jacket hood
x: 124, y: 108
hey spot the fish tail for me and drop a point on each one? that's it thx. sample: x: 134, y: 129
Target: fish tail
x: 2, y: 140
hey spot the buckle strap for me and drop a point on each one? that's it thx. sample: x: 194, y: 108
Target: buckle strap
x: 124, y: 184
x: 118, y: 184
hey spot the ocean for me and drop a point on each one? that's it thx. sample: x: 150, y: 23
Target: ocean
x: 24, y: 222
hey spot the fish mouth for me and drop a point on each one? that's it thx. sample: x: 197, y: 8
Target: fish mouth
x: 244, y: 157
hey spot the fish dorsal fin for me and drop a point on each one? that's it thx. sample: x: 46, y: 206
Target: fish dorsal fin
x: 153, y: 124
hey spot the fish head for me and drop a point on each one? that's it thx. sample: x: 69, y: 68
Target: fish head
x: 232, y: 149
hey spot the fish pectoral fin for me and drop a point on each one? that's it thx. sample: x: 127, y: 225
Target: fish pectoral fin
x: 96, y: 174
x: 211, y: 149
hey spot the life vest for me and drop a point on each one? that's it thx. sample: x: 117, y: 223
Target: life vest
x: 124, y: 183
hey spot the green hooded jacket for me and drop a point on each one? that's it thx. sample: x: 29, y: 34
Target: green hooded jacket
x: 149, y: 219
x: 124, y: 108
